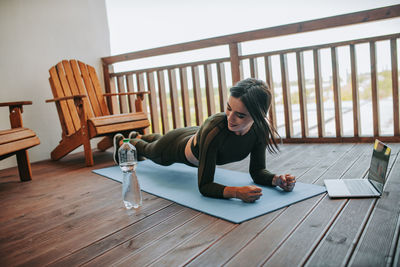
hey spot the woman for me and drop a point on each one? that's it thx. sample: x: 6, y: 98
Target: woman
x: 223, y: 138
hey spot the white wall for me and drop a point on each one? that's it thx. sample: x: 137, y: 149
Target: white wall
x: 35, y: 35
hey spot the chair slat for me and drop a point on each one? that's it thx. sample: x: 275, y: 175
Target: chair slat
x: 81, y: 87
x: 58, y: 92
x: 18, y: 145
x: 68, y: 92
x: 90, y: 90
x: 97, y: 88
x: 11, y: 135
x: 115, y: 119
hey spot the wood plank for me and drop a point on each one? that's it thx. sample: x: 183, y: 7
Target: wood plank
x: 270, y: 82
x: 228, y: 246
x: 319, y: 96
x: 376, y: 246
x: 312, y: 229
x: 115, y: 119
x: 355, y: 93
x: 233, y: 39
x: 8, y: 136
x: 261, y: 247
x: 188, y: 250
x: 163, y: 101
x: 81, y: 87
x: 287, y: 103
x: 101, y: 246
x: 69, y: 110
x: 140, y: 78
x: 209, y: 90
x: 253, y: 68
x: 301, y: 83
x: 126, y: 126
x: 222, y: 89
x: 185, y: 96
x: 337, y: 99
x: 97, y: 88
x: 235, y: 51
x: 174, y: 238
x: 123, y: 99
x: 173, y: 89
x: 130, y: 88
x: 112, y: 100
x: 338, y: 244
x: 139, y: 242
x: 91, y: 93
x: 198, y: 100
x: 154, y: 114
x: 112, y: 218
x: 395, y: 86
x: 374, y: 88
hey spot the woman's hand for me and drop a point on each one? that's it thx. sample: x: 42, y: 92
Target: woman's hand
x: 286, y: 182
x: 248, y: 193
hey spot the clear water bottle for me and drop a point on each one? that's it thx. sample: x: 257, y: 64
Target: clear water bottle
x: 131, y: 194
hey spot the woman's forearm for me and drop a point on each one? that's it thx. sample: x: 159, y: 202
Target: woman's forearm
x: 230, y: 192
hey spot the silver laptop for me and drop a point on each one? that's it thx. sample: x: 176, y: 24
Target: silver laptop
x: 370, y: 187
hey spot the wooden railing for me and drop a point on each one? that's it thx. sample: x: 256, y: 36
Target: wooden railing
x: 177, y: 98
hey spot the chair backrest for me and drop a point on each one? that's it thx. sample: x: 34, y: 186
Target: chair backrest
x: 73, y: 77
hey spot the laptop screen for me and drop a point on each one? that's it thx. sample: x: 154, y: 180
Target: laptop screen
x: 379, y: 165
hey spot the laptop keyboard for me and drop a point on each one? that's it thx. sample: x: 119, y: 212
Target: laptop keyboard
x: 356, y: 187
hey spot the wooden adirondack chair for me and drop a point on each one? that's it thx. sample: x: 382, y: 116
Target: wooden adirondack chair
x: 83, y: 111
x: 17, y: 140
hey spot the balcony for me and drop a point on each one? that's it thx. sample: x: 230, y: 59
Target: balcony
x: 69, y: 216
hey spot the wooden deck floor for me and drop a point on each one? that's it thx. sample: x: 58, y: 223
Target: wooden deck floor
x: 68, y: 216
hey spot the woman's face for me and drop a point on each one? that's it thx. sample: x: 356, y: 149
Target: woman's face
x: 239, y: 118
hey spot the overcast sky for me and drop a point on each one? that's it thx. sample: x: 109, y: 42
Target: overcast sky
x: 139, y: 24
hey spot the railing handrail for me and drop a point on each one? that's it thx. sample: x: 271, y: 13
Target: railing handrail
x: 270, y: 53
x: 282, y: 30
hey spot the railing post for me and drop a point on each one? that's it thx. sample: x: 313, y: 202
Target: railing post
x: 374, y: 88
x: 395, y: 87
x: 235, y: 52
x: 109, y: 88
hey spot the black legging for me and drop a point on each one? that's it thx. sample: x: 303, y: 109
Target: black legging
x: 165, y: 149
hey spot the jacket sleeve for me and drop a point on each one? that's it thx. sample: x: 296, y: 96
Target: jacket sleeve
x: 258, y: 172
x: 208, y: 147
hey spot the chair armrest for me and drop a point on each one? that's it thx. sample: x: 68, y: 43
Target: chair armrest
x: 74, y: 97
x: 15, y: 104
x: 16, y: 111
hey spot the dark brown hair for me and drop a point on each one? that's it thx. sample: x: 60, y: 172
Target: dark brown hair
x: 256, y: 96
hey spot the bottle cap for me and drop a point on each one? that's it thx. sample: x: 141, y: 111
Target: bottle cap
x: 126, y: 140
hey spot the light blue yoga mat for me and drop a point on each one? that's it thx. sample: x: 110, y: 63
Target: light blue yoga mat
x: 178, y: 183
